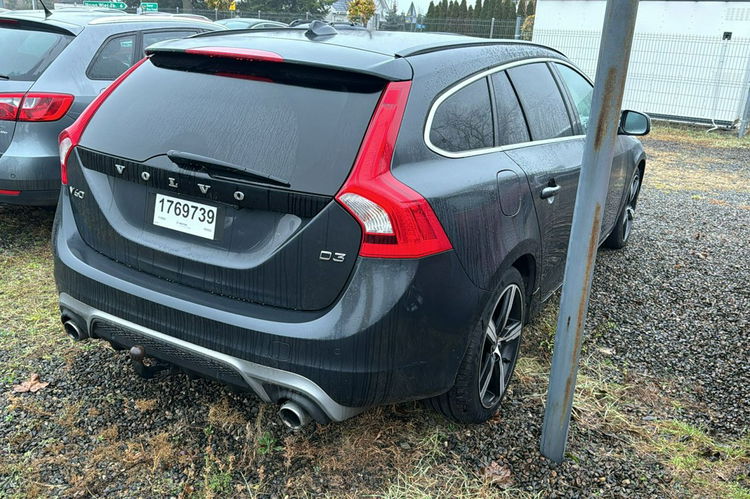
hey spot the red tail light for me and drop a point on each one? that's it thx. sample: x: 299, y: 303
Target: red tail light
x: 237, y: 53
x: 34, y: 106
x: 397, y: 221
x: 70, y: 137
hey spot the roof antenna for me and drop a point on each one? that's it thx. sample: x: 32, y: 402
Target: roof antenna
x: 320, y: 29
x: 47, y: 12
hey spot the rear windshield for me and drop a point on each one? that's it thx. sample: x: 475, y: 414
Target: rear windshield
x: 300, y: 124
x: 25, y: 54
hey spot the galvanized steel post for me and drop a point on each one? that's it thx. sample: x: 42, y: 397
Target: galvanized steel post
x: 517, y: 33
x: 611, y: 71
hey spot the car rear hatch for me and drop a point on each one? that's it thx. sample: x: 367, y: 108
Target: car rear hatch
x: 218, y: 171
x: 28, y: 47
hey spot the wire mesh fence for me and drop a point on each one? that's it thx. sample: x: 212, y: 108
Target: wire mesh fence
x: 682, y: 77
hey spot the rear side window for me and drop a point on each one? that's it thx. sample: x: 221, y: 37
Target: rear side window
x: 542, y: 101
x: 511, y: 125
x: 580, y: 91
x: 114, y: 58
x: 300, y: 124
x: 463, y: 121
x: 25, y: 54
x: 151, y: 37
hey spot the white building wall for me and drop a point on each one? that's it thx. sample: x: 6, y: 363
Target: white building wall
x: 680, y: 65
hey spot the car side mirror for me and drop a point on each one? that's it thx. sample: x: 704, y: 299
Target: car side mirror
x: 634, y: 123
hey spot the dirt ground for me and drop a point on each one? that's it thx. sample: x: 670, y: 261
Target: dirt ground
x: 661, y: 407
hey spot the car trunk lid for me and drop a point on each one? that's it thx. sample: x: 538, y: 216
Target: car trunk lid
x: 259, y: 147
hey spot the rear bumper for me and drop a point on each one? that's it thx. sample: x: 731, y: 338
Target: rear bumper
x: 398, y: 331
x: 37, y: 177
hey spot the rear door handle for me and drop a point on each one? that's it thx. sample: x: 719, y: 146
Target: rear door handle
x: 548, y: 192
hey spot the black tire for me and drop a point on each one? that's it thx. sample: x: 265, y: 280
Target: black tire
x: 466, y: 402
x: 620, y: 235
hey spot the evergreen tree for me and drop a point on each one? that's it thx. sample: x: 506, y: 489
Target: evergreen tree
x: 521, y: 9
x: 429, y: 19
x: 498, y: 12
x: 508, y: 10
x: 478, y: 10
x: 531, y: 8
x: 487, y: 9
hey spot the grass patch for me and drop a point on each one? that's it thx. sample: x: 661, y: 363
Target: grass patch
x: 708, y: 468
x: 698, y: 136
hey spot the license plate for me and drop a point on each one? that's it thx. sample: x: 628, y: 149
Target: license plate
x: 185, y: 216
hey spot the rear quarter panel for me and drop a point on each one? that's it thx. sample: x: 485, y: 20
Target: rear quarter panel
x: 466, y: 192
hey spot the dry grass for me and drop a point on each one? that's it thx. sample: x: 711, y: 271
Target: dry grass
x: 692, y: 165
x: 707, y: 468
x: 698, y: 137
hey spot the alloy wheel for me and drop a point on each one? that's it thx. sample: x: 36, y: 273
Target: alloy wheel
x: 500, y: 348
x: 629, y: 214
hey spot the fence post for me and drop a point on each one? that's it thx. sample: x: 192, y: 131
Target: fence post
x: 177, y: 10
x: 745, y: 117
x: 307, y: 16
x: 492, y: 27
x: 259, y: 15
x: 517, y: 34
x: 598, y: 150
x: 745, y: 114
x: 216, y: 14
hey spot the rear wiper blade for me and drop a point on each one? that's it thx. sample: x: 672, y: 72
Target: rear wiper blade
x: 4, y: 77
x: 197, y: 162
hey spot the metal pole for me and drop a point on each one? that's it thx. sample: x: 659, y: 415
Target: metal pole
x: 492, y: 27
x: 611, y: 70
x: 745, y: 113
x: 745, y: 116
x: 517, y: 34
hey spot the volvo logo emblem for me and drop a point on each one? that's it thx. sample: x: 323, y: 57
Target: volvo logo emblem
x: 145, y: 176
x: 173, y: 182
x: 120, y: 168
x: 239, y: 196
x: 204, y: 188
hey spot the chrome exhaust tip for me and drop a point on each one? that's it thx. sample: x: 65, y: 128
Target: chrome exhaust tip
x: 73, y: 330
x: 293, y: 415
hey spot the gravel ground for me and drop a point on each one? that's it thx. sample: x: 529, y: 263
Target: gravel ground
x: 666, y: 343
x: 680, y: 293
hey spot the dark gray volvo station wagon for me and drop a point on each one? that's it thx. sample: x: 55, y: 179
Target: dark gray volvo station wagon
x: 331, y: 220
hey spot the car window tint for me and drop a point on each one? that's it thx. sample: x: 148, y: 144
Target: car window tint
x: 115, y: 57
x: 25, y: 54
x: 541, y: 100
x: 464, y: 120
x: 149, y: 38
x: 511, y: 125
x: 580, y: 92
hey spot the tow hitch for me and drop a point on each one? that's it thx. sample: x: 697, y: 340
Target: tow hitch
x: 146, y: 371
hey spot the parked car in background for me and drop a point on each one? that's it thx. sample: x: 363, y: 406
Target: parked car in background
x: 50, y: 70
x: 186, y: 16
x: 222, y: 233
x: 250, y: 23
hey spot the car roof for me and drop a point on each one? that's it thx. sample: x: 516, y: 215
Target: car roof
x: 71, y: 20
x: 74, y: 19
x: 134, y: 18
x: 379, y: 53
x: 389, y: 43
x: 247, y: 20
